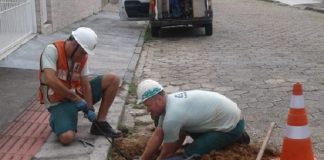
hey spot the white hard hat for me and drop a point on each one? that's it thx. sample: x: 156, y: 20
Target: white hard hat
x: 86, y: 38
x: 147, y: 89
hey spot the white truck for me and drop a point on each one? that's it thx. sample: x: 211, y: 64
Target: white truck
x: 165, y: 13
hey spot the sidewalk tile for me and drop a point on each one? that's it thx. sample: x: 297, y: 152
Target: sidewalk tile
x: 22, y: 130
x: 26, y: 116
x: 38, y: 107
x: 26, y: 146
x: 4, y: 140
x: 34, y: 116
x: 35, y: 147
x: 27, y: 157
x: 13, y: 128
x: 43, y: 118
x: 39, y: 130
x: 15, y: 148
x: 5, y: 130
x: 31, y: 130
x: 2, y: 155
x: 7, y: 156
x: 5, y: 148
x: 33, y: 106
x: 46, y: 132
x: 17, y: 157
x: 21, y: 115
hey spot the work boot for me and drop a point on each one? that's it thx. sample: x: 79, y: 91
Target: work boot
x: 244, y: 139
x: 104, y: 129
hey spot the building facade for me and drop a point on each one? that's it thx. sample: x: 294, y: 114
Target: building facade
x: 20, y: 20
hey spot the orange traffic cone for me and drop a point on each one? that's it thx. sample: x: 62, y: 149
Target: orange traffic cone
x: 297, y: 143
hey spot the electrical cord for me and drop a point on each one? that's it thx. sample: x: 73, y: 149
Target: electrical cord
x: 112, y: 143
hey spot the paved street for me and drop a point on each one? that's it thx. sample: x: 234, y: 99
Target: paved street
x: 257, y: 52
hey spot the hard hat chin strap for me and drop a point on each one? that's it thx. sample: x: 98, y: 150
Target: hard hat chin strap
x: 71, y: 38
x: 74, y: 51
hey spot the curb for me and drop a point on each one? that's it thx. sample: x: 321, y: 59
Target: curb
x: 315, y: 9
x: 129, y: 75
x: 311, y: 7
x: 128, y: 78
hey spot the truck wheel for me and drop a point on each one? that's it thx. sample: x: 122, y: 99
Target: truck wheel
x: 209, y: 29
x: 155, y: 31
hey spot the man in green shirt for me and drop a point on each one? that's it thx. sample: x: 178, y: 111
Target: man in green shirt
x: 211, y: 119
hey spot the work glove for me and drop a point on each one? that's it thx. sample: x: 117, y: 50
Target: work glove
x: 81, y: 105
x: 89, y: 112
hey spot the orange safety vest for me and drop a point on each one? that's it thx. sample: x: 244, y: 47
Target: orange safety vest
x: 69, y: 76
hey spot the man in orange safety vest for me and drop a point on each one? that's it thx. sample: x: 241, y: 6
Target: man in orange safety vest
x: 65, y: 88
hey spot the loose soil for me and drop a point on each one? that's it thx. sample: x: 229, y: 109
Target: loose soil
x: 133, y: 142
x: 133, y: 145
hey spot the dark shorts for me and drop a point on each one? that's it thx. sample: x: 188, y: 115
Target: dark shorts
x: 205, y: 142
x: 64, y: 116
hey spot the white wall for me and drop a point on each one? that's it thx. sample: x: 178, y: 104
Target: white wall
x: 62, y: 13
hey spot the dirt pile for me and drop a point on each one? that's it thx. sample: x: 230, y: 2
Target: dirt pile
x: 133, y: 145
x: 133, y: 142
x: 240, y: 152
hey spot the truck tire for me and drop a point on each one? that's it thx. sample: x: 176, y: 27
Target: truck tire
x: 155, y: 31
x: 209, y: 29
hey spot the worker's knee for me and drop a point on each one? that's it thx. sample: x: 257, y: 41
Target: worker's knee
x: 206, y: 142
x: 111, y: 79
x: 66, y: 138
x: 196, y: 148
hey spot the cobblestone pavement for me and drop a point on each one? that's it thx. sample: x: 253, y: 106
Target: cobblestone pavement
x: 257, y: 52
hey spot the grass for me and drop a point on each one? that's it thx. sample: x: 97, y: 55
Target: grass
x: 132, y: 89
x: 148, y: 35
x: 125, y: 130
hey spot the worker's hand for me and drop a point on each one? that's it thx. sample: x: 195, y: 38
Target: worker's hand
x: 81, y: 105
x: 91, y: 115
x: 89, y: 112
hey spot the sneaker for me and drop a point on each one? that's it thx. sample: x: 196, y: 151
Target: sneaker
x: 244, y: 139
x: 104, y: 129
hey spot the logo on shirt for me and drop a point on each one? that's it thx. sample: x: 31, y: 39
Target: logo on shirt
x: 181, y: 95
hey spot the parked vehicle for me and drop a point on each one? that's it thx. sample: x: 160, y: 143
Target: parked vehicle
x: 165, y: 13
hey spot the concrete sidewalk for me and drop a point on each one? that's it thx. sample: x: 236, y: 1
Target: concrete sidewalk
x: 298, y: 2
x: 118, y: 50
x: 313, y: 5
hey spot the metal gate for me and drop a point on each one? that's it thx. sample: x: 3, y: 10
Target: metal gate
x: 17, y: 22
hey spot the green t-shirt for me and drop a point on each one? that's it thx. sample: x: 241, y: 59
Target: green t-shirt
x: 197, y: 111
